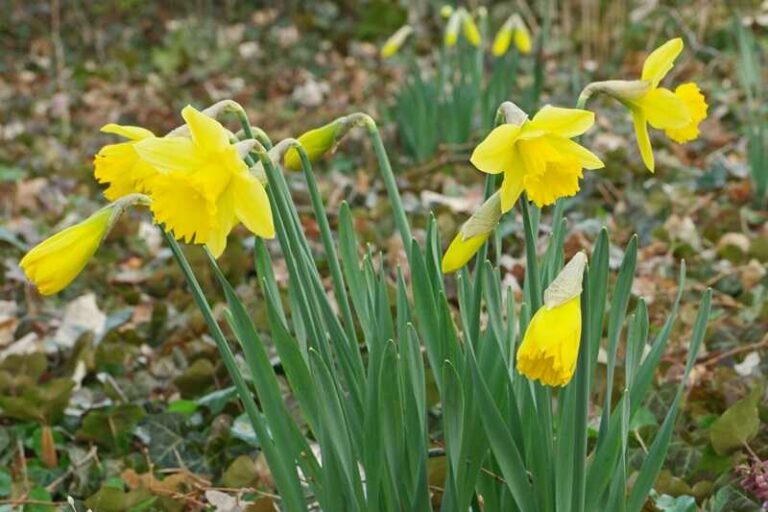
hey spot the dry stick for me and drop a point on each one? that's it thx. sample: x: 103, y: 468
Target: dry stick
x: 728, y: 353
x: 72, y: 468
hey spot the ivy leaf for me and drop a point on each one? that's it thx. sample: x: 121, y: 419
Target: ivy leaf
x: 111, y: 428
x: 738, y: 424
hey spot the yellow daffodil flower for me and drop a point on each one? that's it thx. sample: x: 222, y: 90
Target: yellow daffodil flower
x: 119, y: 166
x: 56, y: 261
x: 395, y: 41
x: 538, y: 155
x: 678, y: 113
x: 472, y: 234
x: 203, y: 187
x: 513, y: 28
x: 471, y: 32
x: 317, y: 142
x: 550, y: 346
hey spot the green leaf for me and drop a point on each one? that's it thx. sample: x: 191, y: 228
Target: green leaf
x: 5, y: 482
x: 738, y: 424
x: 667, y: 503
x: 39, y: 494
x: 111, y: 428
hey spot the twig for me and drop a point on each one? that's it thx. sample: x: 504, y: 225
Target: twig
x: 728, y: 353
x: 72, y: 468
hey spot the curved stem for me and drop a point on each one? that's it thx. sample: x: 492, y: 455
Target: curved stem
x: 401, y: 219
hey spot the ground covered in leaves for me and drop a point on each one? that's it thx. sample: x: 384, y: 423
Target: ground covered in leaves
x: 112, y: 392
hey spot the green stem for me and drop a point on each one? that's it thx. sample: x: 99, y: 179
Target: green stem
x: 326, y: 235
x: 284, y: 474
x: 401, y: 219
x: 532, y: 268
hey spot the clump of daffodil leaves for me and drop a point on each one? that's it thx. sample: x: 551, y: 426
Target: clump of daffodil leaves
x: 369, y: 414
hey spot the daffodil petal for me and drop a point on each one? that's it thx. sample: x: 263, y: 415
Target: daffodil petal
x: 566, y: 122
x: 664, y: 110
x: 168, y: 153
x: 511, y: 188
x: 575, y: 151
x: 643, y: 141
x: 252, y: 205
x: 225, y: 221
x: 208, y: 133
x: 129, y: 132
x: 494, y: 154
x: 661, y: 60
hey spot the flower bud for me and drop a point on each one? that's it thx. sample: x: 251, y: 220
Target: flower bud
x: 317, y: 142
x: 522, y: 36
x: 452, y: 28
x: 471, y: 32
x: 473, y: 234
x: 395, y: 41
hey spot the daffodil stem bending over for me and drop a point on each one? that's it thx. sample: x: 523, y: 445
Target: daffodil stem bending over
x: 401, y: 219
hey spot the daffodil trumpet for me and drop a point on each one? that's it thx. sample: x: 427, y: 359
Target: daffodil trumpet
x: 537, y: 155
x: 56, y: 261
x: 550, y: 346
x: 473, y: 234
x: 678, y: 113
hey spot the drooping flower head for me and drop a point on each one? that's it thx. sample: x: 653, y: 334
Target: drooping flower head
x: 56, y: 261
x: 550, y: 346
x: 203, y: 187
x: 473, y: 234
x: 317, y: 142
x: 393, y: 44
x: 677, y: 113
x: 513, y: 28
x: 119, y: 166
x: 537, y: 155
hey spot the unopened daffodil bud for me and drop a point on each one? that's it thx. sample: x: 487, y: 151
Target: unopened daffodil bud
x: 473, y: 234
x: 471, y: 32
x: 512, y: 29
x: 452, y: 28
x: 522, y: 36
x: 317, y: 142
x: 446, y: 11
x: 550, y: 347
x: 56, y: 261
x: 395, y: 41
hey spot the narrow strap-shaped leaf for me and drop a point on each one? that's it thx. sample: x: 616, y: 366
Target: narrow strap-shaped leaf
x: 502, y: 443
x: 284, y: 470
x: 616, y: 320
x: 658, y: 450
